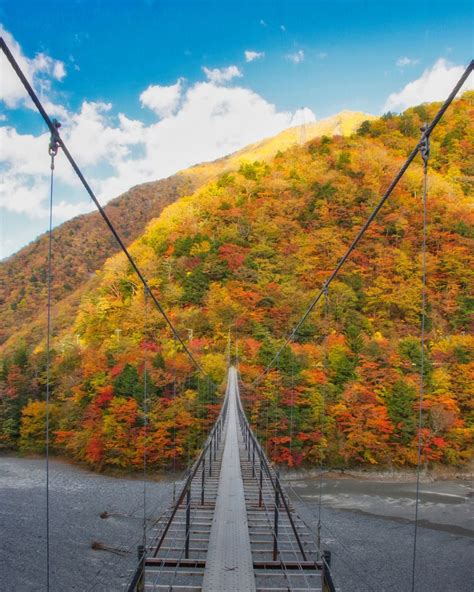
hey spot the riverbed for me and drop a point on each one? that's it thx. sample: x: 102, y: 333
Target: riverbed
x: 366, y: 524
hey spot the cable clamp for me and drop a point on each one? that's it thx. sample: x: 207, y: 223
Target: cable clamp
x: 326, y: 293
x: 425, y: 146
x: 54, y: 141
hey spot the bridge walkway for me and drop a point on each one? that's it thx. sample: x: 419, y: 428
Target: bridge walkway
x: 232, y: 528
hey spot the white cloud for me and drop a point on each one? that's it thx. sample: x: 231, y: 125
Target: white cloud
x: 435, y: 84
x: 263, y: 23
x: 163, y: 100
x: 195, y: 124
x: 59, y: 70
x: 220, y: 75
x: 402, y: 62
x: 296, y: 57
x: 207, y: 125
x: 322, y: 55
x: 38, y: 70
x: 250, y: 56
x: 20, y: 195
x: 56, y: 110
x: 283, y: 28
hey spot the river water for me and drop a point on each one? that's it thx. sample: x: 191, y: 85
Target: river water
x: 366, y: 524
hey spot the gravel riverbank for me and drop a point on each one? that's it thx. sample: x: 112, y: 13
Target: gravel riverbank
x: 367, y: 524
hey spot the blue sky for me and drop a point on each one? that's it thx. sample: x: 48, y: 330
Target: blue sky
x: 127, y: 80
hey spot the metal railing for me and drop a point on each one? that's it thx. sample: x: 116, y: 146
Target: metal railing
x: 256, y: 452
x: 209, y: 450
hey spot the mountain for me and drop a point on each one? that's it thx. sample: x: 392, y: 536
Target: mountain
x: 83, y: 244
x: 246, y: 252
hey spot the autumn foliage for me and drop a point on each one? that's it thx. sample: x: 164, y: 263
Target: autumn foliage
x: 247, y: 253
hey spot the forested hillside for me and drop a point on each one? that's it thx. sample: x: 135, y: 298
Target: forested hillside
x: 80, y: 247
x: 246, y: 253
x: 83, y: 244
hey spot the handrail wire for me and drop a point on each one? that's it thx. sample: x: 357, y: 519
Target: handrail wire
x: 275, y: 482
x: 273, y: 479
x: 272, y: 485
x: 426, y: 134
x: 187, y: 485
x: 182, y: 551
x: 173, y: 511
x: 178, y: 562
x: 273, y: 533
x: 278, y: 542
x: 271, y: 488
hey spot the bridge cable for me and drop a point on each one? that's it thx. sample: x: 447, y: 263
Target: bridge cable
x: 425, y: 153
x: 60, y: 142
x: 322, y: 417
x: 426, y: 134
x: 270, y: 489
x: 292, y: 405
x: 174, y: 423
x: 145, y: 416
x: 52, y: 151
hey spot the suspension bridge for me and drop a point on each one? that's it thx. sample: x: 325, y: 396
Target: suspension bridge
x: 232, y: 526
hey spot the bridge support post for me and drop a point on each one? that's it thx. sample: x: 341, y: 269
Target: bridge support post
x: 253, y: 459
x: 203, y: 478
x: 141, y: 562
x: 260, y: 489
x: 210, y: 461
x: 328, y: 584
x: 188, y: 522
x: 327, y: 557
x: 275, y: 524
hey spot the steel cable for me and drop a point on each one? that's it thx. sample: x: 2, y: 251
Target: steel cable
x: 425, y: 151
x: 53, y: 150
